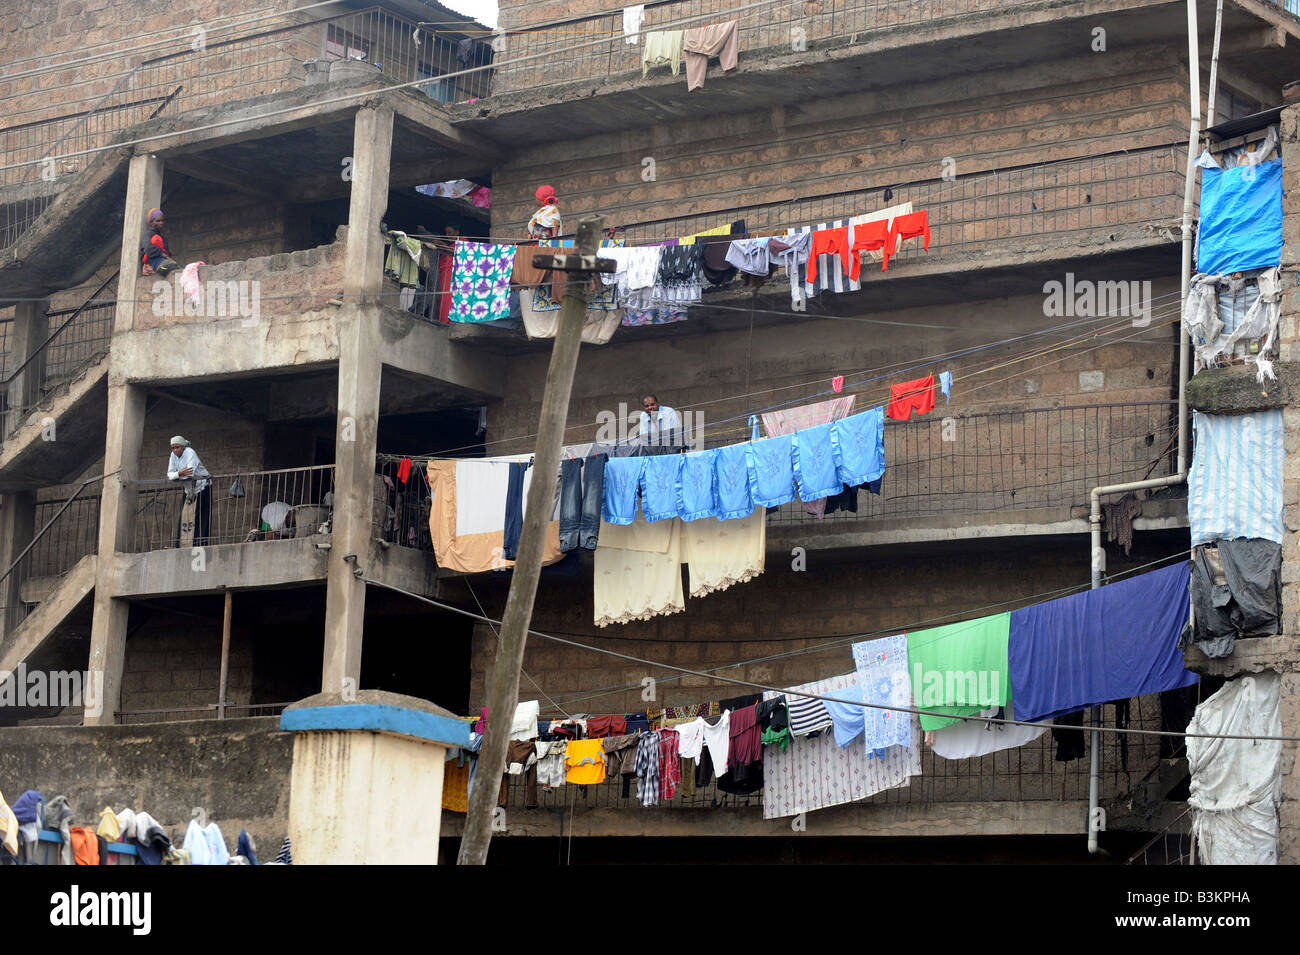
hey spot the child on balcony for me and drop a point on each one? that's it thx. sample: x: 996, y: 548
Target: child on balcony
x: 153, y: 253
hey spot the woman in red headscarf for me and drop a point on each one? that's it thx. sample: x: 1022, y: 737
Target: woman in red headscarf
x: 545, y: 223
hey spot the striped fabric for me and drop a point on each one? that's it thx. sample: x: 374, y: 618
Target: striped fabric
x: 807, y: 715
x: 1234, y: 488
x: 831, y: 276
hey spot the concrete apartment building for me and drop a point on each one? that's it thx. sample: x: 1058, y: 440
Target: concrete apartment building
x: 1047, y: 140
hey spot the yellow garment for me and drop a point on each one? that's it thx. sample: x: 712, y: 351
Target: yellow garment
x: 717, y: 230
x: 109, y: 827
x: 723, y: 553
x: 455, y: 786
x: 662, y: 47
x: 638, y: 572
x: 8, y: 827
x: 585, y: 759
x: 480, y: 551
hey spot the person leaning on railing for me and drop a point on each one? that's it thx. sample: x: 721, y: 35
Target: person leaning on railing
x: 184, y: 466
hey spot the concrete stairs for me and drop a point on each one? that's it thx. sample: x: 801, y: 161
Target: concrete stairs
x: 56, y: 439
x: 31, y: 635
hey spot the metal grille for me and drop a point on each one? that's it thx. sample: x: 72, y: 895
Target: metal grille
x: 243, y: 516
x: 71, y: 346
x: 1175, y: 844
x: 401, y: 508
x: 985, y: 210
x: 64, y: 532
x: 1046, y: 457
x: 200, y: 711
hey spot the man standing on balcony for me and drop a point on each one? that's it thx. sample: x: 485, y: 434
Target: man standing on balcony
x: 196, y: 509
x: 660, y: 427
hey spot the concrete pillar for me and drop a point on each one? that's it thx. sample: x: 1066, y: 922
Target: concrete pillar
x: 366, y: 784
x: 17, y: 526
x: 126, y: 409
x: 30, y: 330
x: 358, y: 323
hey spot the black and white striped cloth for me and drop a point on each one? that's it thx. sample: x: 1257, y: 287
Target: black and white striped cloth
x: 807, y: 716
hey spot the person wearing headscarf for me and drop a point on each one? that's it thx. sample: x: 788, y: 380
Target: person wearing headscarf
x: 545, y: 223
x: 154, y: 255
x: 184, y: 466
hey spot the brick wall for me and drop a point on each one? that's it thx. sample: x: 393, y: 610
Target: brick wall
x: 174, y: 662
x: 763, y: 162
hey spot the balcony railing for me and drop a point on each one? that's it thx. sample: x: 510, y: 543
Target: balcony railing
x: 246, y: 507
x: 219, y: 71
x: 1012, y: 460
x: 401, y: 508
x: 985, y: 212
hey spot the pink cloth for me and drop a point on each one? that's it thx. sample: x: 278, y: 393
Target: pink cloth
x: 808, y: 416
x: 190, y: 282
x: 699, y: 43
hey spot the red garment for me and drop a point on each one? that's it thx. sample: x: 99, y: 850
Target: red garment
x: 746, y: 738
x: 481, y: 726
x: 831, y: 242
x: 599, y: 726
x: 404, y: 470
x: 838, y: 383
x: 913, y: 225
x: 670, y: 765
x: 445, y: 267
x: 917, y: 395
x: 872, y: 237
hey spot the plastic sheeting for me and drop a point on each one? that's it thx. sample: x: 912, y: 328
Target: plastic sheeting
x: 1236, y: 783
x: 1225, y: 313
x: 1241, y: 218
x: 1235, y: 592
x: 1234, y: 488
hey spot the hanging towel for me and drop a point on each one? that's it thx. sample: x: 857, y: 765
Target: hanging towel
x: 723, y: 553
x: 847, y: 718
x: 816, y: 773
x: 638, y: 573
x: 731, y: 470
x: 916, y: 395
x: 481, y: 281
x: 968, y: 740
x: 882, y: 675
x: 699, y: 43
x: 660, y: 486
x: 859, y: 443
x: 632, y: 18
x: 622, y: 481
x: 814, y: 464
x: 959, y: 669
x: 807, y: 416
x: 771, y: 470
x: 945, y: 385
x: 467, y: 517
x: 1234, y: 488
x: 1113, y: 643
x: 662, y: 48
x: 697, y: 486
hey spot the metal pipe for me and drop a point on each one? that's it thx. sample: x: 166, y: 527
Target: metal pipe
x: 225, y: 655
x: 1214, y: 65
x: 1193, y: 139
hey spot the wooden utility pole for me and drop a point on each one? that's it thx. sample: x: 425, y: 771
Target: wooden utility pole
x: 503, y: 681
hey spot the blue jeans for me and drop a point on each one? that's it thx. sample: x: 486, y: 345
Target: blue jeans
x: 514, y: 511
x: 582, y: 487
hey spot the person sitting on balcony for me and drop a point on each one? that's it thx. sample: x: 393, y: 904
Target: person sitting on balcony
x: 153, y: 254
x: 545, y: 223
x: 660, y: 426
x: 195, y: 522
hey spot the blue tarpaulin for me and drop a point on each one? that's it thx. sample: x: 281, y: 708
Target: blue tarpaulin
x: 1241, y: 218
x: 1113, y: 643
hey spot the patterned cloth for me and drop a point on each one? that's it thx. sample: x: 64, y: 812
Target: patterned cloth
x: 771, y: 471
x: 647, y: 768
x: 481, y: 281
x: 670, y: 765
x: 659, y: 315
x: 883, y: 677
x: 1234, y: 488
x: 696, y: 485
x: 815, y: 773
x: 807, y: 416
x: 549, y: 296
x: 681, y: 275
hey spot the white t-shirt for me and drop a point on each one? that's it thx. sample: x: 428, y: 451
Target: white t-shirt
x: 691, y: 738
x: 666, y: 426
x: 718, y: 740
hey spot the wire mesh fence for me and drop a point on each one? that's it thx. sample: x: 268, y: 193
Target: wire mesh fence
x: 247, y: 507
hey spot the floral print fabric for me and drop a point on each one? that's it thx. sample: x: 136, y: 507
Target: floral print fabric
x: 481, y: 281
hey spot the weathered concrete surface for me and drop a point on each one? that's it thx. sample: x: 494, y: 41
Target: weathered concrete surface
x: 1234, y: 390
x: 1249, y: 655
x: 237, y: 770
x: 260, y: 564
x: 38, y: 453
x: 920, y: 820
x: 41, y: 623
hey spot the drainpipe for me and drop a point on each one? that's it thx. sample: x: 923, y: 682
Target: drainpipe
x: 1184, y: 361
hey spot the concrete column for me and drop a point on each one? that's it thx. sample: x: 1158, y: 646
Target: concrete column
x: 126, y: 409
x: 30, y: 330
x: 366, y: 785
x: 17, y: 526
x: 143, y: 192
x: 360, y: 369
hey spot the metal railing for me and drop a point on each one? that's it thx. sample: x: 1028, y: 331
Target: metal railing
x: 782, y: 27
x: 200, y: 711
x: 1034, y: 458
x: 1175, y: 844
x: 400, y: 514
x: 983, y: 211
x: 245, y: 507
x: 68, y: 531
x: 39, y: 153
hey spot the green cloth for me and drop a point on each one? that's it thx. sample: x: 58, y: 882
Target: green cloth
x: 403, y: 259
x: 779, y: 737
x: 960, y: 668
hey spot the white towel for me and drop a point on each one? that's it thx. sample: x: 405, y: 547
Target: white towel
x: 632, y: 17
